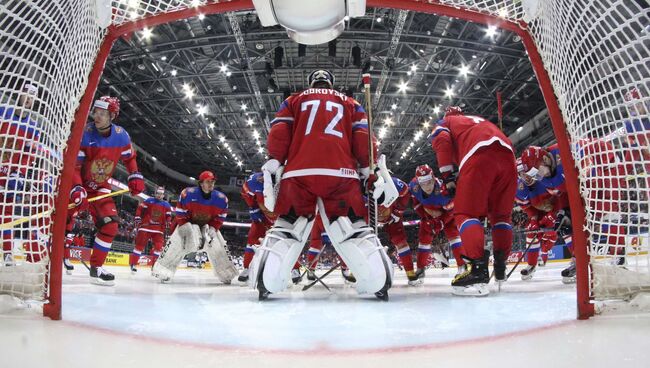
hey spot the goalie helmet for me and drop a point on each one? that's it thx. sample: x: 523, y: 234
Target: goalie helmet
x: 321, y: 75
x: 206, y: 175
x: 453, y: 110
x: 112, y: 104
x: 423, y: 173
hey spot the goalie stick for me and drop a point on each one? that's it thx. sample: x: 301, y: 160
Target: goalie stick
x: 372, y: 203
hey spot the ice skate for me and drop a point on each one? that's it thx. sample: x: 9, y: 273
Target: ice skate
x: 473, y: 282
x: 499, y: 268
x: 413, y: 279
x: 419, y: 273
x: 569, y: 273
x: 348, y: 276
x: 99, y: 276
x: 68, y: 266
x: 243, y: 276
x: 134, y: 270
x: 461, y: 269
x: 295, y: 276
x: 528, y: 272
x: 311, y: 275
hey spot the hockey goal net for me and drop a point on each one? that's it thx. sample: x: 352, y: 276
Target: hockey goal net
x: 590, y: 58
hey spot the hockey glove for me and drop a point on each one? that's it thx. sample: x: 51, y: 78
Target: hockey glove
x: 533, y: 225
x: 548, y: 221
x: 256, y: 214
x: 395, y: 217
x: 271, y: 166
x: 79, y: 197
x: 136, y: 183
x: 449, y: 184
x: 562, y: 223
x: 437, y: 225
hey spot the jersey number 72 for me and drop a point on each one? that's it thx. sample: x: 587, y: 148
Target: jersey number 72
x: 329, y: 106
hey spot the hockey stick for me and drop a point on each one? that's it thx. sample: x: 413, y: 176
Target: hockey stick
x: 313, y: 263
x: 532, y: 240
x: 372, y: 204
x: 307, y: 287
x: 22, y: 220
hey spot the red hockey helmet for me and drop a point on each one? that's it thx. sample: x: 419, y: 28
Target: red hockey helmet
x: 112, y: 104
x: 632, y: 94
x: 206, y: 175
x: 423, y: 173
x: 532, y: 158
x: 453, y: 110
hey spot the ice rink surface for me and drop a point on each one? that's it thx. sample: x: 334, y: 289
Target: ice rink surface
x: 197, y: 322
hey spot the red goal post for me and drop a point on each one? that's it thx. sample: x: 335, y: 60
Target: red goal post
x: 557, y: 38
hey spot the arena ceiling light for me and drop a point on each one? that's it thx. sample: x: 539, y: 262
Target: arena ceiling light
x: 449, y: 92
x: 491, y: 31
x: 202, y: 110
x: 309, y: 22
x: 402, y: 87
x: 464, y: 70
x: 147, y: 33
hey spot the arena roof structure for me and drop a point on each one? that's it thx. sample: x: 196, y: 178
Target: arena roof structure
x: 199, y: 93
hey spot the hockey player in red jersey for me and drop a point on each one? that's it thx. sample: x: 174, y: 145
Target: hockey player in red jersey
x: 486, y: 186
x: 541, y: 208
x: 103, y: 145
x: 19, y: 133
x: 436, y: 211
x: 322, y: 135
x: 152, y: 218
x: 200, y: 213
x: 543, y: 175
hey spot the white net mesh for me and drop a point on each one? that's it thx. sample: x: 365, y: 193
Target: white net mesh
x: 595, y: 51
x: 46, y: 51
x: 597, y: 55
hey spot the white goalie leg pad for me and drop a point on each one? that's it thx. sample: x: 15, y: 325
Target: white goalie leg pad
x: 278, y: 253
x: 217, y: 249
x: 361, y: 250
x: 185, y: 239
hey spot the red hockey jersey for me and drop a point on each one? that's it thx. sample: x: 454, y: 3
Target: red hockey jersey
x: 320, y: 132
x: 98, y: 157
x: 456, y: 138
x: 155, y: 214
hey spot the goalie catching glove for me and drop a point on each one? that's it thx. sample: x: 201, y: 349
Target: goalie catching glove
x: 381, y: 183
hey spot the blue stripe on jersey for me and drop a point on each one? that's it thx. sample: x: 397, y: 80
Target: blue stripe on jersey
x: 437, y: 131
x: 502, y: 225
x: 468, y: 223
x: 281, y: 120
